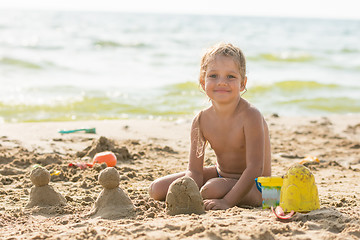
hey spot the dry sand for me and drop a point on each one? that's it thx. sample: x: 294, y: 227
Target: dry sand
x: 149, y: 149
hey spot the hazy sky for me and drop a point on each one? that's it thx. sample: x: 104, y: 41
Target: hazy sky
x: 284, y: 8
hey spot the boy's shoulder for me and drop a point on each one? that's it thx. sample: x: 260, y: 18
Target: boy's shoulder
x: 248, y: 107
x: 202, y: 112
x: 250, y: 112
x: 199, y: 116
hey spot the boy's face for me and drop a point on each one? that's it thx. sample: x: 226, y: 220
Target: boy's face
x: 222, y: 81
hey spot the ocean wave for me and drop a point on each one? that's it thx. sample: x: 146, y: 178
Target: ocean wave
x: 292, y: 86
x: 334, y: 105
x: 183, y: 99
x: 182, y: 86
x: 68, y: 103
x: 96, y: 108
x: 114, y: 44
x: 283, y: 57
x: 350, y: 50
x: 184, y: 90
x: 42, y: 47
x: 32, y: 65
x: 19, y: 63
x: 344, y: 67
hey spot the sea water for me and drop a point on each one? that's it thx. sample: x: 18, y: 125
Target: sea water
x: 57, y: 66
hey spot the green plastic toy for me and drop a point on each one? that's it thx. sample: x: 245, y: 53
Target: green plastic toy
x: 86, y: 130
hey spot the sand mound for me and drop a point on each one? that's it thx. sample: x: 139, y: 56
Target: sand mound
x: 42, y: 194
x: 45, y: 196
x: 109, y: 178
x: 8, y: 170
x: 112, y: 202
x: 104, y: 144
x: 328, y: 218
x: 184, y: 197
x: 47, y: 159
x: 40, y: 177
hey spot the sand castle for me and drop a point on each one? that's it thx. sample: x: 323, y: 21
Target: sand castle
x: 184, y: 197
x: 112, y: 202
x: 42, y: 194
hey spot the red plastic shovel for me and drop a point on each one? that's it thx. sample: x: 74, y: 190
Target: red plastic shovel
x: 280, y: 214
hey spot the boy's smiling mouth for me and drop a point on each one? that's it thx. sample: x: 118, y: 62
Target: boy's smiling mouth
x: 221, y: 90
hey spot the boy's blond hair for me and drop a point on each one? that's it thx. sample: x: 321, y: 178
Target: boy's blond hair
x: 224, y: 49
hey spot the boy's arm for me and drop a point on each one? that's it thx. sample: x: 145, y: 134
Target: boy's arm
x: 255, y: 154
x: 197, y: 151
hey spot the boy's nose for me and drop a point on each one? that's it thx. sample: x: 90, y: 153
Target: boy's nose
x: 222, y: 81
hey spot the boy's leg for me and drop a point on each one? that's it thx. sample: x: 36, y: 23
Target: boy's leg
x: 159, y: 188
x: 217, y: 188
x: 252, y: 198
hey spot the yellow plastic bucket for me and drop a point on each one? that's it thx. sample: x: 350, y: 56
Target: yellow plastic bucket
x: 270, y: 188
x: 299, y: 192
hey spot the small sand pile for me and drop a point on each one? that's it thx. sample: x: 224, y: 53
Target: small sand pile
x: 112, y: 202
x: 184, y: 197
x: 104, y: 144
x: 49, y: 158
x: 42, y: 194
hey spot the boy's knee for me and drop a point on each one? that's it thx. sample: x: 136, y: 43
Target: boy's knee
x: 213, y: 189
x: 156, y: 191
x: 152, y: 190
x: 206, y: 191
x: 203, y: 191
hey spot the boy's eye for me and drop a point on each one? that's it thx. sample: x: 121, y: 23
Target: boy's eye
x: 230, y: 76
x: 213, y: 76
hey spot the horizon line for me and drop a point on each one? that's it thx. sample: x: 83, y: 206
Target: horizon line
x: 182, y: 13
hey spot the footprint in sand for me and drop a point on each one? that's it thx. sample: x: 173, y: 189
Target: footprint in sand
x: 112, y: 202
x: 184, y: 197
x: 42, y: 194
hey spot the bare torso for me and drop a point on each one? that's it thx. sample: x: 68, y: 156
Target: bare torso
x: 227, y: 138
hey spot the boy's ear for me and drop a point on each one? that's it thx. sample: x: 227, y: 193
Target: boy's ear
x: 243, y: 84
x: 202, y: 83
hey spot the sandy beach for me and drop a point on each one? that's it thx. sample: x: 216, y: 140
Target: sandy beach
x: 148, y: 149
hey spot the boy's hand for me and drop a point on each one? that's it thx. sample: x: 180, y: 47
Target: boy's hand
x: 216, y: 204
